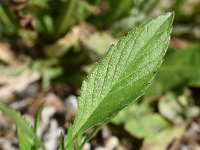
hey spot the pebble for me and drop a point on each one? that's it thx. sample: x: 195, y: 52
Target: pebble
x: 112, y: 143
x: 101, y: 148
x: 71, y: 103
x: 51, y: 138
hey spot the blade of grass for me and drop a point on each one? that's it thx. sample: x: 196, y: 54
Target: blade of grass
x: 38, y: 117
x: 7, y: 21
x: 62, y: 147
x: 65, y: 18
x: 71, y: 145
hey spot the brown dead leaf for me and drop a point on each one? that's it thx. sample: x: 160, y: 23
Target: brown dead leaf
x: 11, y: 84
x: 6, y: 55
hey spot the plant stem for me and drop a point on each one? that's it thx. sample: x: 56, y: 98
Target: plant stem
x: 88, y: 138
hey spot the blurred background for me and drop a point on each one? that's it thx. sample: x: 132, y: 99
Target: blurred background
x: 47, y: 47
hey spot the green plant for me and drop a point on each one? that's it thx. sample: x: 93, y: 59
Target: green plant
x: 123, y: 74
x: 179, y: 65
x: 119, y: 78
x: 26, y: 133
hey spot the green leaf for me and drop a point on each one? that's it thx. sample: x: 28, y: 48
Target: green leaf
x: 25, y: 132
x: 132, y: 111
x: 123, y: 74
x: 38, y: 117
x: 146, y: 126
x: 71, y: 146
x: 35, y: 127
x: 61, y: 142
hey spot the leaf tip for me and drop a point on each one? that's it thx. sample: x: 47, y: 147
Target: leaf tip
x: 170, y: 16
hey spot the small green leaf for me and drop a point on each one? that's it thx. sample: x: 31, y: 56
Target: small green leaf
x: 71, y: 145
x: 35, y: 127
x: 25, y: 132
x: 38, y: 117
x: 123, y: 73
x: 61, y: 142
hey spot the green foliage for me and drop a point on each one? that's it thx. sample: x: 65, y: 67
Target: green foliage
x: 117, y: 11
x: 6, y: 21
x: 38, y: 117
x: 165, y: 122
x: 179, y: 69
x: 63, y: 38
x: 25, y: 132
x: 178, y: 109
x: 122, y: 74
x: 61, y: 142
x: 65, y: 18
x: 47, y: 71
x: 147, y: 126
